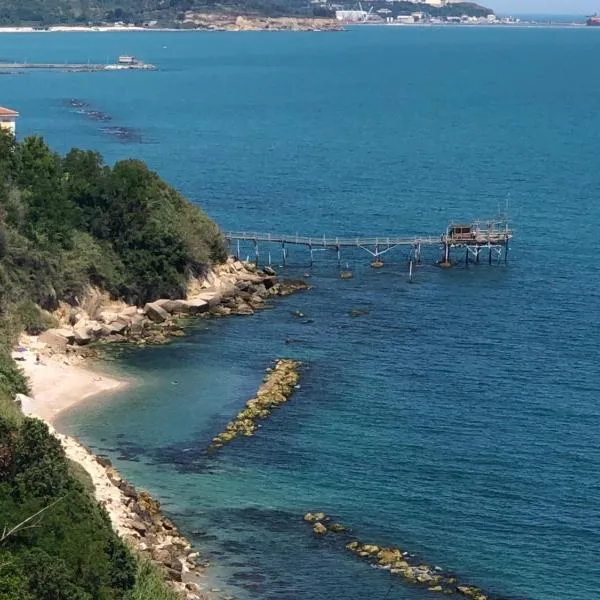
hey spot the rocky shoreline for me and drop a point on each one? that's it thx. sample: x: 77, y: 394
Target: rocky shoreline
x: 398, y: 562
x: 278, y: 385
x: 137, y: 518
x: 233, y: 288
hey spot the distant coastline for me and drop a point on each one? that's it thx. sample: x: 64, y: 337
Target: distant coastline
x: 206, y: 23
x: 308, y: 25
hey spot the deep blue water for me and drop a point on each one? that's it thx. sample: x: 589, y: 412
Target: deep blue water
x: 459, y: 419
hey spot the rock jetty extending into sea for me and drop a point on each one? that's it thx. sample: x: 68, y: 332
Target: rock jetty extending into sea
x: 278, y: 385
x: 233, y: 288
x: 398, y: 562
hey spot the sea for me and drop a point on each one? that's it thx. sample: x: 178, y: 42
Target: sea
x: 458, y: 417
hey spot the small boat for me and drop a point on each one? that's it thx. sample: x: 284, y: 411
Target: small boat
x: 377, y: 264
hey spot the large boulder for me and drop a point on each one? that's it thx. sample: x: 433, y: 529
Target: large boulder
x: 118, y: 326
x: 82, y: 334
x: 136, y: 325
x: 130, y: 311
x: 186, y: 307
x: 57, y: 339
x: 155, y: 312
x: 212, y: 297
x: 94, y: 329
x: 138, y: 526
x: 171, y: 306
x: 107, y: 317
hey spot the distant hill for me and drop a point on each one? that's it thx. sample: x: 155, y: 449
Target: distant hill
x: 43, y: 13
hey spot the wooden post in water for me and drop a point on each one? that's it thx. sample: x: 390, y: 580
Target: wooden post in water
x: 410, y: 271
x: 283, y: 252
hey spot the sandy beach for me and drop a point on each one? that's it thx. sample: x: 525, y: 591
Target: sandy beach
x: 57, y: 384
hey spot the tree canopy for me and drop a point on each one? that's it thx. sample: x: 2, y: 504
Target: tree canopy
x: 67, y: 222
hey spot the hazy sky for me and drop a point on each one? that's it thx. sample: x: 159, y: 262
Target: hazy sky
x: 568, y: 7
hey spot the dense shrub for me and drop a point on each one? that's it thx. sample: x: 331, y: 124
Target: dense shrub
x: 69, y: 551
x: 69, y: 222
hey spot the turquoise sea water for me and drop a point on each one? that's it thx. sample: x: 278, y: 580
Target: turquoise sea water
x: 459, y: 419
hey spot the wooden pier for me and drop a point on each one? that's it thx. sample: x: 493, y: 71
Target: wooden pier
x: 491, y: 235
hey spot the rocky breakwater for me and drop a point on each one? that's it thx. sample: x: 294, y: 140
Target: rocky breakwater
x: 233, y: 288
x: 155, y: 537
x: 279, y: 384
x: 137, y: 518
x: 398, y: 562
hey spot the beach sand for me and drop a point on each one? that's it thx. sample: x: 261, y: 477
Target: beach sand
x: 57, y: 384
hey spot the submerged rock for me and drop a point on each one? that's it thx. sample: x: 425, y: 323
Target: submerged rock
x: 319, y: 529
x: 399, y: 563
x: 314, y: 517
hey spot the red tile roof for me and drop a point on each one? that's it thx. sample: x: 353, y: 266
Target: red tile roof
x: 6, y: 112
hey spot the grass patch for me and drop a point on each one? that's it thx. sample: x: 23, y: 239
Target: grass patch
x: 150, y: 583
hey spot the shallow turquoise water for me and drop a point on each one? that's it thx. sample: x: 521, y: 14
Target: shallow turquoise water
x: 459, y: 418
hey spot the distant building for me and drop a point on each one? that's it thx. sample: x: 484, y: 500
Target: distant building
x: 127, y: 60
x: 351, y: 15
x: 8, y: 120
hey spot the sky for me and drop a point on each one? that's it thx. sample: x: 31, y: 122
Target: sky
x: 568, y: 7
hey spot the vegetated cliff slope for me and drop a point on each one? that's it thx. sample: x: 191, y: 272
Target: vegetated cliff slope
x: 65, y: 223
x: 168, y: 12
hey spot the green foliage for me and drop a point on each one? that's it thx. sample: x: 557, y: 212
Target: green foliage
x: 149, y: 584
x: 33, y: 318
x: 67, y: 223
x: 68, y: 551
x: 70, y: 222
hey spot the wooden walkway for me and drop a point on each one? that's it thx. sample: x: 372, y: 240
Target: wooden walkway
x: 492, y: 234
x: 332, y: 243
